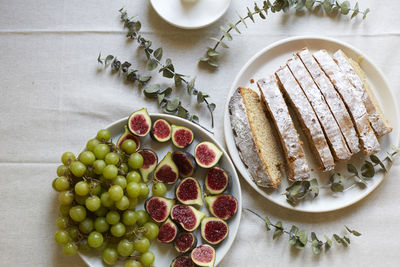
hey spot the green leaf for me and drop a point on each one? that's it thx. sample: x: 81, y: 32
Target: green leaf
x: 366, y: 12
x: 242, y: 20
x: 354, y: 232
x: 303, y: 237
x: 169, y: 71
x: 144, y: 79
x: 190, y: 86
x: 132, y: 76
x: 213, y: 62
x: 314, y: 236
x: 158, y: 53
x: 355, y: 13
x: 225, y: 33
x: 352, y: 169
x: 99, y: 59
x: 278, y: 230
x: 173, y: 104
x: 300, y: 4
x: 177, y: 80
x: 327, y: 6
x: 182, y: 112
x: 347, y: 239
x: 376, y: 160
x: 211, y: 107
x: 367, y: 169
x: 328, y: 243
x: 194, y: 119
x: 293, y: 235
x: 151, y: 91
x: 152, y: 64
x: 160, y: 99
x: 212, y: 53
x: 338, y: 239
x: 337, y: 187
x: 204, y: 59
x: 345, y: 7
x: 314, y: 187
x: 267, y: 223
x: 309, y: 4
x: 250, y: 15
x: 200, y: 97
x: 116, y: 65
x: 166, y: 91
x: 315, y: 247
x: 224, y: 45
x: 234, y: 27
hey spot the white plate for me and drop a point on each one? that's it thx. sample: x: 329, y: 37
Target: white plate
x: 266, y: 62
x: 190, y: 14
x: 165, y: 253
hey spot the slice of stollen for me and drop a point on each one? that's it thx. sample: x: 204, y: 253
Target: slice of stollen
x: 352, y: 100
x: 357, y: 77
x: 296, y: 162
x: 306, y: 115
x: 254, y: 138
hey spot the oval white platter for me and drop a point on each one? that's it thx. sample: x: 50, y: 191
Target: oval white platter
x: 165, y: 253
x: 190, y: 14
x: 266, y: 62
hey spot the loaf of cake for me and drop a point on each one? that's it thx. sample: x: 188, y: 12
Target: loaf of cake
x: 328, y: 123
x: 306, y: 115
x: 352, y: 100
x: 357, y: 77
x: 255, y: 138
x: 296, y: 162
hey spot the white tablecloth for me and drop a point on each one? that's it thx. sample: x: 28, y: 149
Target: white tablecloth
x: 53, y: 98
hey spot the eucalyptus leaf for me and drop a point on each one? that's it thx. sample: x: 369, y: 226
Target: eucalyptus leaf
x: 158, y: 53
x: 131, y: 76
x: 366, y: 12
x: 328, y: 243
x: 116, y: 65
x: 194, y: 119
x: 182, y: 112
x: 173, y: 104
x: 200, y: 97
x: 278, y: 230
x: 160, y: 99
x: 309, y: 4
x: 354, y: 232
x: 211, y: 107
x: 108, y: 59
x: 367, y: 169
x: 234, y: 27
x: 144, y: 79
x: 267, y: 223
x: 250, y: 14
x: 212, y: 53
x: 327, y: 6
x: 345, y: 7
x: 190, y: 86
x: 352, y: 169
x: 151, y: 91
x: 152, y: 64
x: 347, y: 239
x: 315, y: 247
x: 303, y: 237
x: 166, y: 91
x: 314, y: 187
x: 99, y: 59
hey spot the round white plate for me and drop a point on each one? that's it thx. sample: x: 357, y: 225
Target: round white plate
x: 266, y: 62
x: 190, y: 14
x: 165, y: 253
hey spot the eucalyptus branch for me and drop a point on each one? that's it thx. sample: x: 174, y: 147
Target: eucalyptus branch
x: 331, y: 7
x: 299, y: 239
x: 299, y: 190
x: 167, y: 69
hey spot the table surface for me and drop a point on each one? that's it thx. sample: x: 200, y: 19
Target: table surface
x: 53, y: 98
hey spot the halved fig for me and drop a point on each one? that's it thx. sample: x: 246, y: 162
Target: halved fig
x: 185, y: 242
x: 139, y: 123
x: 207, y: 154
x: 222, y: 206
x: 188, y: 192
x: 166, y: 171
x: 127, y: 135
x: 216, y: 181
x: 181, y: 136
x: 149, y: 163
x: 161, y: 130
x: 182, y: 261
x: 159, y: 208
x: 187, y: 216
x: 214, y: 230
x: 185, y: 163
x: 203, y: 255
x: 168, y: 232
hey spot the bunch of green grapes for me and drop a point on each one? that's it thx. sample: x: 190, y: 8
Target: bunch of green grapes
x: 98, y: 193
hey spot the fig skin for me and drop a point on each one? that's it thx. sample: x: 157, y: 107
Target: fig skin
x: 161, y: 123
x: 167, y: 168
x: 182, y: 261
x: 139, y: 117
x: 147, y: 167
x: 154, y: 214
x: 207, y: 154
x: 212, y: 226
x: 189, y: 184
x: 216, y: 175
x: 165, y: 227
x: 185, y: 236
x: 181, y: 133
x: 200, y: 251
x: 127, y: 135
x: 185, y: 162
x: 218, y: 206
x: 180, y: 210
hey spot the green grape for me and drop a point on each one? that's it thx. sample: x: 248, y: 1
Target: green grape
x: 133, y: 263
x: 61, y: 183
x: 87, y: 158
x: 77, y: 213
x: 106, y: 200
x: 102, y: 211
x: 82, y: 188
x: 66, y: 197
x: 98, y: 166
x: 147, y: 258
x: 142, y: 244
x: 144, y: 190
x: 67, y: 158
x: 73, y: 232
x: 86, y: 226
x: 95, y: 239
x: 110, y: 172
x: 94, y: 188
x: 133, y: 176
x: 112, y: 158
x: 84, y: 245
x: 129, y: 217
x: 62, y: 170
x: 93, y: 203
x: 125, y: 248
x: 81, y: 200
x: 123, y: 203
x: 143, y: 217
x: 132, y: 203
x: 120, y: 180
x: 116, y: 192
x: 70, y: 249
x: 129, y: 146
x: 133, y: 189
x: 103, y: 135
x: 159, y: 189
x: 101, y: 150
x: 64, y: 210
x: 62, y: 222
x: 101, y: 225
x: 53, y: 184
x: 113, y: 217
x: 151, y: 230
x: 90, y: 145
x: 78, y: 168
x: 110, y: 256
x: 61, y: 237
x: 135, y: 161
x: 124, y: 167
x: 118, y: 229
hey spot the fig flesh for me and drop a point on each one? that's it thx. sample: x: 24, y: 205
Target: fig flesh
x: 166, y: 171
x: 222, y: 206
x: 187, y: 217
x: 159, y: 208
x: 168, y: 232
x: 188, y: 192
x: 127, y: 135
x: 149, y: 163
x: 185, y: 242
x: 139, y: 122
x: 216, y: 180
x: 182, y: 261
x: 185, y: 163
x: 203, y: 255
x: 181, y: 136
x: 207, y: 154
x: 214, y: 230
x: 161, y: 130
